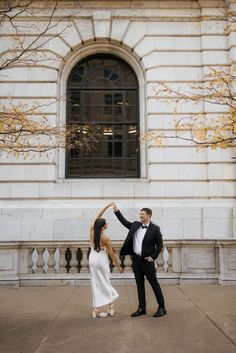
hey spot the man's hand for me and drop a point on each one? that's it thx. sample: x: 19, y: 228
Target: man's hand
x: 149, y: 258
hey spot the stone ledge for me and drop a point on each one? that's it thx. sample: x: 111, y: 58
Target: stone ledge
x: 65, y: 262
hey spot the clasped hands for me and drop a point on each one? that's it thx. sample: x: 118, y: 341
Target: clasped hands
x: 113, y: 206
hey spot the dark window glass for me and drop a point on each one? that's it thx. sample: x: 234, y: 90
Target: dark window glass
x: 102, y: 91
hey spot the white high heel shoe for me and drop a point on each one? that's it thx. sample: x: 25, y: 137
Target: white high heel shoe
x: 111, y: 310
x: 97, y: 313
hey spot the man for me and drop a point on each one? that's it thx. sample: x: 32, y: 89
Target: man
x: 144, y: 243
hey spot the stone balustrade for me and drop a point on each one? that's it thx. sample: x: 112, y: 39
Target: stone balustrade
x: 66, y: 262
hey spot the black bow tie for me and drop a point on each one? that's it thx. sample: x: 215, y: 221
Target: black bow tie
x: 144, y: 227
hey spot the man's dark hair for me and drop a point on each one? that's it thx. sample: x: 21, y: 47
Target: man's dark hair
x: 147, y: 210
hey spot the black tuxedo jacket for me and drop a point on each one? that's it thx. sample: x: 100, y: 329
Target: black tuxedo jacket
x: 152, y: 241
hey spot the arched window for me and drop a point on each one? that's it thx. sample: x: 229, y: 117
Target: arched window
x: 102, y: 90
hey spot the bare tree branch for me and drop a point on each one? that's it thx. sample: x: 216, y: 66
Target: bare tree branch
x: 218, y: 88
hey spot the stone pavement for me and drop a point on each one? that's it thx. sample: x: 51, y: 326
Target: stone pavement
x: 201, y: 318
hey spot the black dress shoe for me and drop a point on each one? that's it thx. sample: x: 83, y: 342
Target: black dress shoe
x: 140, y: 311
x: 160, y: 312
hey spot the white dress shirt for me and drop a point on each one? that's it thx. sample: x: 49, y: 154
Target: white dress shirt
x: 138, y: 239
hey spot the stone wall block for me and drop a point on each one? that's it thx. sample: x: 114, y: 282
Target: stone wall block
x: 163, y: 73
x: 192, y: 228
x: 102, y: 22
x: 85, y: 28
x: 135, y: 32
x: 166, y: 154
x: 40, y: 172
x: 64, y: 229
x: 29, y: 90
x: 118, y: 28
x: 171, y: 227
x: 214, y: 42
x: 217, y: 228
x: 29, y: 74
x: 123, y: 190
x: 25, y: 190
x: 21, y: 213
x: 172, y: 58
x: 10, y: 230
x: 224, y: 171
x: 212, y: 27
x: 5, y: 190
x: 182, y: 212
x: 173, y: 28
x: 37, y: 229
x: 55, y: 190
x: 222, y: 189
x: 177, y: 172
x: 87, y: 189
x: 155, y: 106
x: 215, y: 58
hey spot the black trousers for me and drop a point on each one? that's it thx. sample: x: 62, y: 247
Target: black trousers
x: 143, y: 268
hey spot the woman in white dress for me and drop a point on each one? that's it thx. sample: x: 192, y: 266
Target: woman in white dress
x: 103, y: 292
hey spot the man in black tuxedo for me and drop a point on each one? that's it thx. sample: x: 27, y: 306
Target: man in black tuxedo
x: 144, y: 243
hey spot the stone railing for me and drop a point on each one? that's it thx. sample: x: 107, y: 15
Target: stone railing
x: 66, y: 262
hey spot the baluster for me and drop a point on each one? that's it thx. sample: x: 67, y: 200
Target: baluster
x: 159, y: 262
x: 74, y: 262
x: 156, y: 264
x: 34, y: 258
x: 170, y: 260
x: 30, y: 262
x: 40, y: 262
x: 51, y: 261
x: 68, y: 256
x: 166, y: 258
x: 57, y: 260
x: 128, y: 264
x: 45, y: 260
x: 79, y: 257
x: 63, y: 260
x: 82, y: 257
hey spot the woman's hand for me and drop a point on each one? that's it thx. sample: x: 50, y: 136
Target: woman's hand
x: 121, y: 270
x: 100, y: 213
x: 111, y: 204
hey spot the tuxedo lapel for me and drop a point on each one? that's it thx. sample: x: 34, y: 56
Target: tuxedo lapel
x: 148, y: 232
x: 135, y: 227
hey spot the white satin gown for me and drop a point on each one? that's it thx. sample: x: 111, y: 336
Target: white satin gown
x: 103, y: 292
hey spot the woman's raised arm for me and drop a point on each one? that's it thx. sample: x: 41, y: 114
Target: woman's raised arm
x: 100, y: 213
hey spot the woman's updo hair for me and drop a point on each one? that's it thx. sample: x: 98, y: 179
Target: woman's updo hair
x: 98, y: 225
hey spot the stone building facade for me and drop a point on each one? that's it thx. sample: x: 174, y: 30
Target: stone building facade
x: 192, y: 193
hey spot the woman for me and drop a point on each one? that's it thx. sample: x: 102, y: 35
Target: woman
x: 103, y: 292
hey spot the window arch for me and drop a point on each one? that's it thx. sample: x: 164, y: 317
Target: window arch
x: 102, y: 90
